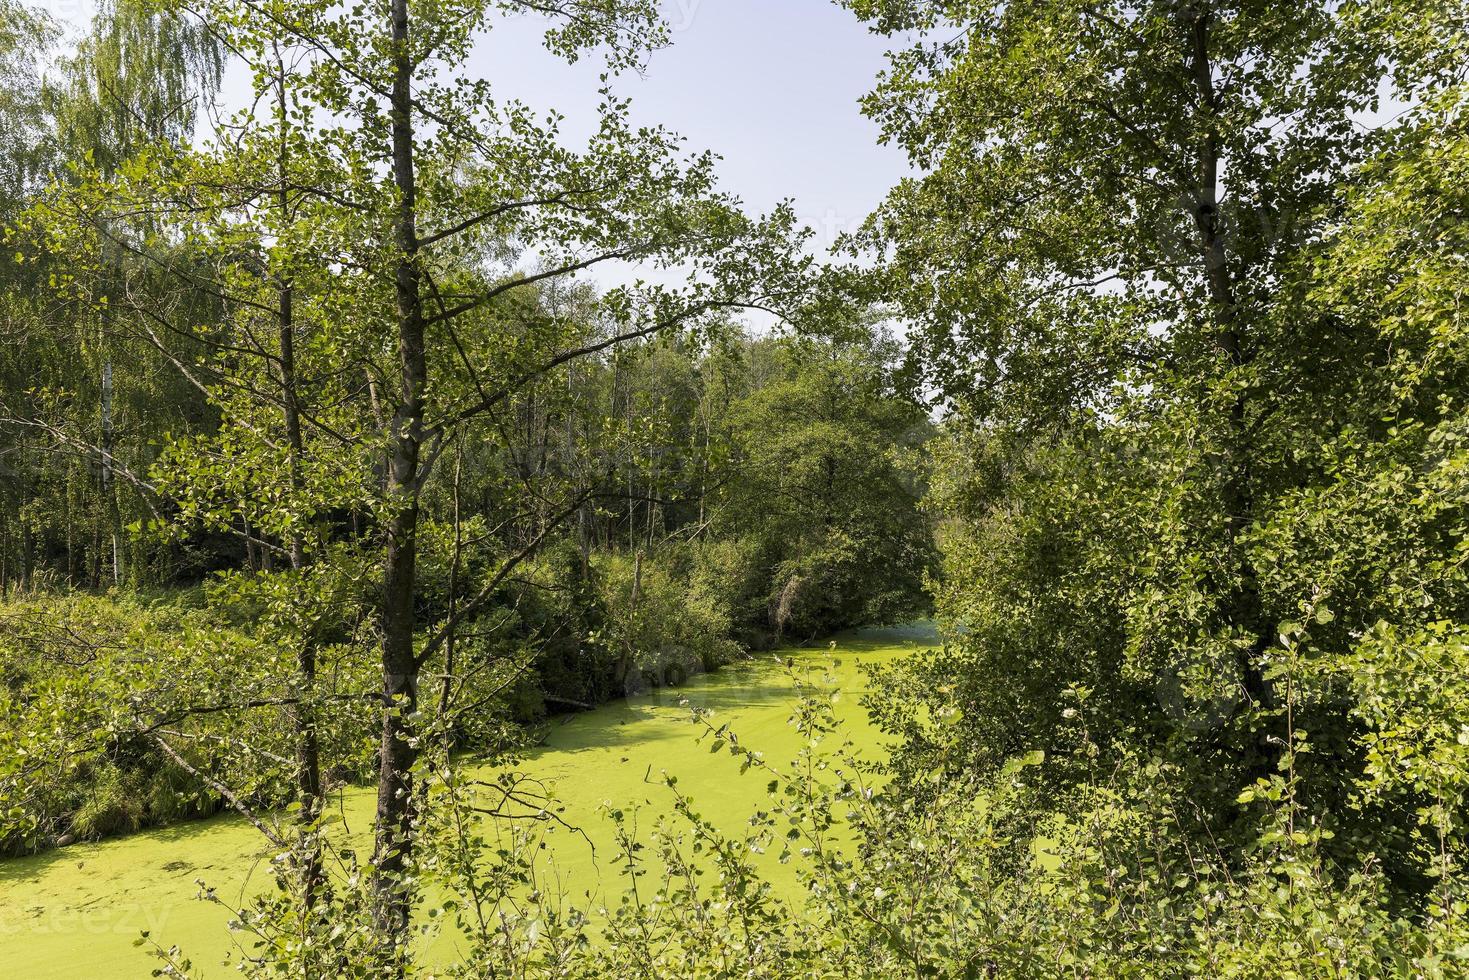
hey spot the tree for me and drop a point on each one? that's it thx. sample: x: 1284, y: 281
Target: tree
x: 403, y: 212
x: 817, y: 486
x: 1102, y: 262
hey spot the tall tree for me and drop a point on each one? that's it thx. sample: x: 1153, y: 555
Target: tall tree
x: 1098, y: 259
x: 411, y: 213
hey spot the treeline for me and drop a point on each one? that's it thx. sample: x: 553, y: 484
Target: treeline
x: 794, y: 458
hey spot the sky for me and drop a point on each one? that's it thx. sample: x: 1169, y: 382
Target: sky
x: 770, y: 85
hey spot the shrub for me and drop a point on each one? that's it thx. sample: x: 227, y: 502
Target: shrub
x: 660, y: 623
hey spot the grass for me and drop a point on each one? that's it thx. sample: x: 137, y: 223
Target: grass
x: 75, y: 912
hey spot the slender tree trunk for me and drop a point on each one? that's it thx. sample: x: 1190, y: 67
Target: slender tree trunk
x: 704, y: 473
x: 398, y: 753
x: 27, y: 539
x: 446, y: 687
x: 1244, y: 607
x: 583, y: 530
x: 69, y: 499
x: 104, y: 438
x: 109, y: 485
x: 308, y: 748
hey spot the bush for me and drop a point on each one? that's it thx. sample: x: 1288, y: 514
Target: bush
x: 88, y: 684
x: 661, y: 623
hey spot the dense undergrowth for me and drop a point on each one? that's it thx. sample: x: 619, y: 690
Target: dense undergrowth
x: 958, y: 877
x: 91, y: 678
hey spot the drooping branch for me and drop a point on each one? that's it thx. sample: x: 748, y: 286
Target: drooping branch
x: 224, y: 791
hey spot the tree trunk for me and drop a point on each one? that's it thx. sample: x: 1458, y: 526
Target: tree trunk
x: 397, y: 753
x: 308, y: 748
x: 1244, y: 607
x: 109, y: 486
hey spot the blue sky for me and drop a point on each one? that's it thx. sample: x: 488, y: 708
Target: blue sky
x: 770, y: 85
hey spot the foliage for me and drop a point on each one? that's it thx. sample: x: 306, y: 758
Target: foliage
x: 93, y: 683
x: 1185, y: 285
x: 975, y: 880
x: 663, y: 630
x: 822, y: 491
x: 1204, y: 458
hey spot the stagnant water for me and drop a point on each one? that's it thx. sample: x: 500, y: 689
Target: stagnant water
x: 75, y: 912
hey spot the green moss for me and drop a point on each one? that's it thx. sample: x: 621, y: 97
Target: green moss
x: 75, y: 912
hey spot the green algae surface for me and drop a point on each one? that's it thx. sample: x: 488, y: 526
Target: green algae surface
x: 75, y: 912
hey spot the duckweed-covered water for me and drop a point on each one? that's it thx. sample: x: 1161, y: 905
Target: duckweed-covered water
x: 75, y: 912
